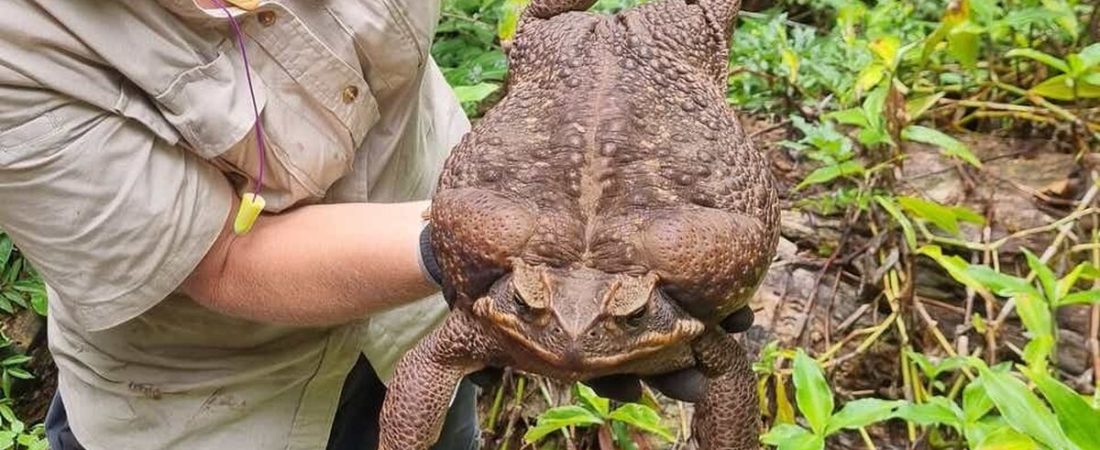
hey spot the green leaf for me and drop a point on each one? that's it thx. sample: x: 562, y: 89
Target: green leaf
x: 589, y: 399
x: 643, y: 418
x: 1061, y: 87
x: 886, y: 48
x: 831, y: 172
x: 874, y: 107
x: 999, y: 283
x: 954, y: 265
x: 7, y: 439
x: 1077, y: 298
x: 510, y: 12
x: 942, y: 216
x: 791, y: 62
x: 7, y: 413
x: 558, y: 418
x: 1038, y: 349
x: 976, y: 403
x: 13, y: 271
x: 1065, y: 18
x: 1067, y: 282
x: 1035, y: 314
x: 792, y: 437
x: 38, y: 302
x: 963, y: 43
x: 26, y: 440
x: 28, y: 285
x: 931, y: 369
x: 916, y: 107
x: 815, y: 399
x: 936, y: 411
x: 5, y: 250
x: 15, y: 297
x: 1079, y: 420
x: 860, y: 413
x: 1036, y: 55
x: 949, y: 145
x: 620, y: 434
x: 19, y: 373
x: 1046, y: 276
x: 1022, y: 409
x: 967, y: 215
x: 870, y: 77
x: 15, y: 360
x: 475, y: 93
x: 1006, y: 439
x: 923, y: 363
x: 852, y: 116
x: 906, y: 226
x: 933, y: 40
x: 1090, y: 56
x: 1076, y: 65
x: 8, y: 298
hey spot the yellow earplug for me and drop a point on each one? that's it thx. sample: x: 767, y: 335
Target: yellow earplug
x: 251, y: 207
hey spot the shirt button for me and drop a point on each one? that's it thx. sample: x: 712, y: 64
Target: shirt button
x: 350, y: 94
x: 266, y: 18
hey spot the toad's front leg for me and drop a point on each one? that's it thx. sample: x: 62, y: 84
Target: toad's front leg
x: 728, y: 417
x: 425, y: 382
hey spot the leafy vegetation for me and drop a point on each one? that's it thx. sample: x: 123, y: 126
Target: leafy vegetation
x: 20, y: 288
x: 594, y: 410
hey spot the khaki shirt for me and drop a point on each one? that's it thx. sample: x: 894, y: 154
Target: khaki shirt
x: 125, y: 127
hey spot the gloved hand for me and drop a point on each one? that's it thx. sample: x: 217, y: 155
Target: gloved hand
x: 429, y: 265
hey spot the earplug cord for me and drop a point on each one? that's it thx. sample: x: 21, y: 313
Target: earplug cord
x: 261, y: 152
x: 252, y: 203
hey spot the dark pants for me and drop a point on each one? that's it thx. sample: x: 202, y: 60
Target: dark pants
x: 355, y: 426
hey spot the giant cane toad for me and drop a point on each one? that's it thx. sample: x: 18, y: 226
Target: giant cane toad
x: 602, y: 219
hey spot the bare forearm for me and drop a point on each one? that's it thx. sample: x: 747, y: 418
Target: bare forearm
x: 317, y: 265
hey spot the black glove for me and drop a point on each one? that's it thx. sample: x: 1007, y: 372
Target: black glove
x: 428, y: 264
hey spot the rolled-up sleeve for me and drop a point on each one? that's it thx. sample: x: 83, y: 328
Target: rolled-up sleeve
x: 113, y: 217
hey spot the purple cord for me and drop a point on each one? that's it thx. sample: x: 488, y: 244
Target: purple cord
x: 252, y: 92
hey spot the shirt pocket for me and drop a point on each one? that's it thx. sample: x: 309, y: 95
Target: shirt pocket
x: 19, y: 141
x: 307, y: 147
x: 392, y: 37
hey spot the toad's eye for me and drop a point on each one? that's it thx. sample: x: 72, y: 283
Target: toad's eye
x: 521, y: 304
x: 635, y: 318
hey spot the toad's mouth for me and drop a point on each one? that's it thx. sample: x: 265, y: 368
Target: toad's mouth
x: 571, y: 358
